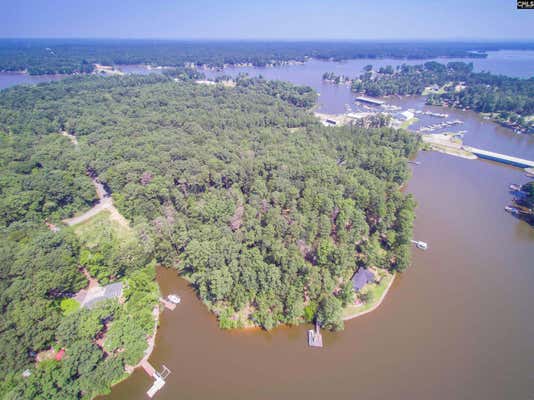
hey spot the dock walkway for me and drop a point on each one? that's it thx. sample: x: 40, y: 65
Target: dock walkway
x: 167, y: 303
x: 315, y: 339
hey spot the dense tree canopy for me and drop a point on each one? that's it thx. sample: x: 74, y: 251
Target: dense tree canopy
x: 264, y: 210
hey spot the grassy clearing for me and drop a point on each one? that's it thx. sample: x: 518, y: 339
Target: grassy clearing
x: 375, y: 292
x: 97, y: 230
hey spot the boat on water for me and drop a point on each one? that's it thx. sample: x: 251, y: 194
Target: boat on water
x: 515, y: 187
x: 511, y: 210
x: 174, y: 298
x: 420, y: 244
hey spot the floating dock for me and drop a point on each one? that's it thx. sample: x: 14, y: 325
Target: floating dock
x: 167, y: 303
x: 315, y: 339
x: 159, y: 379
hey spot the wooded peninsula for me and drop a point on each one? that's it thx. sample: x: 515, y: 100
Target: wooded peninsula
x: 265, y: 211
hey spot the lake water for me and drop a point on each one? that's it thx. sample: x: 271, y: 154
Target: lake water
x: 8, y: 79
x: 509, y: 62
x: 457, y: 325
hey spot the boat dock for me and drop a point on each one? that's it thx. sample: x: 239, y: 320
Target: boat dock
x: 167, y: 303
x: 315, y: 339
x: 368, y: 100
x: 502, y: 158
x: 149, y: 369
x: 159, y: 379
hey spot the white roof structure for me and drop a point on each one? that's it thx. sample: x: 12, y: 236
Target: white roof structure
x: 101, y: 293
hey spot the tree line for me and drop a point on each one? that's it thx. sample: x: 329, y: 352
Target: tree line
x: 48, y: 56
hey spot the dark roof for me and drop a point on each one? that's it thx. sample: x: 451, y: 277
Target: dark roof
x: 362, y: 277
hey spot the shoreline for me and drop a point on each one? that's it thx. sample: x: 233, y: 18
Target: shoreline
x: 376, y: 305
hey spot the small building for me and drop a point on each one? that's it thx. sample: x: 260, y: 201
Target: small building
x: 101, y: 293
x: 60, y: 354
x: 361, y: 278
x: 404, y: 115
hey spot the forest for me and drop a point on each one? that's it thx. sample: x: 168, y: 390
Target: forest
x: 53, y: 56
x: 265, y: 211
x: 507, y: 100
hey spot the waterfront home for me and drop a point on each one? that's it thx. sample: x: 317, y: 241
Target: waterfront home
x: 100, y: 293
x: 361, y: 278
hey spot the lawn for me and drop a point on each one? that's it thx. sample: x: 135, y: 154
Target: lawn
x: 376, y: 292
x: 99, y: 229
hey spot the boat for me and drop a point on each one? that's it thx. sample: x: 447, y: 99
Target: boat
x: 511, y: 210
x: 515, y: 187
x: 421, y: 245
x: 174, y: 298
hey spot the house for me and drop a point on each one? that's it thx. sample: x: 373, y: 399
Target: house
x: 361, y: 278
x: 101, y: 293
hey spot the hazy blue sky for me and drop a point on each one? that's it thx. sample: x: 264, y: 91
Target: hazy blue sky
x: 272, y: 19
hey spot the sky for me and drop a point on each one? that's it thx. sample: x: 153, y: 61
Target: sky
x: 267, y: 19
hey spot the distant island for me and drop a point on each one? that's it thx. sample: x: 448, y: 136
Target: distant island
x: 56, y: 56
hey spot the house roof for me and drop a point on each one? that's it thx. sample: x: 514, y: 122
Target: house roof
x: 99, y: 294
x: 60, y: 354
x: 362, y: 277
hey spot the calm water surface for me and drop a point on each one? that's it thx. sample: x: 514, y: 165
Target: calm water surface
x: 8, y: 79
x: 457, y: 325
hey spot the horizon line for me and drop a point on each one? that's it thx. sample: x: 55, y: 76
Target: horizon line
x: 259, y: 39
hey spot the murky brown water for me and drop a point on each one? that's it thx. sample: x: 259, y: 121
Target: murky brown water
x: 457, y: 325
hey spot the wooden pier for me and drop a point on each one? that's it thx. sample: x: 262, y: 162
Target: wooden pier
x: 315, y: 339
x: 167, y: 303
x: 149, y: 369
x: 159, y: 380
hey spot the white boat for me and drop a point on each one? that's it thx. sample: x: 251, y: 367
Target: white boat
x: 511, y: 210
x: 174, y: 298
x: 422, y: 245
